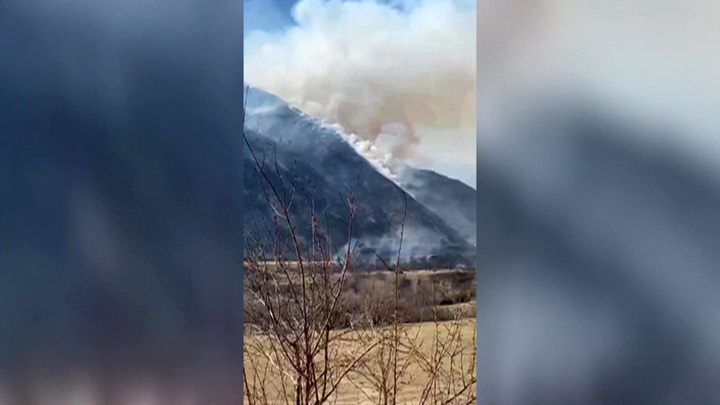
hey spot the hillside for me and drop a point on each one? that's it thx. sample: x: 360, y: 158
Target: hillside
x: 325, y: 170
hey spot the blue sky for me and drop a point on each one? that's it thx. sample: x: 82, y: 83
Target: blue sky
x: 267, y: 15
x: 274, y: 15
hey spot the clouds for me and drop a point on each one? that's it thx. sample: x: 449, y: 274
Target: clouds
x: 370, y: 67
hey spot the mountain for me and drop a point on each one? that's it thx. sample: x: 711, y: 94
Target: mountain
x: 452, y: 200
x: 302, y: 154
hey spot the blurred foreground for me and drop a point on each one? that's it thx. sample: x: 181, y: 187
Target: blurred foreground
x: 599, y: 203
x: 120, y: 215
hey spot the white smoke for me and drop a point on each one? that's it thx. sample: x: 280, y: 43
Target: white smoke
x: 383, y: 162
x: 388, y: 75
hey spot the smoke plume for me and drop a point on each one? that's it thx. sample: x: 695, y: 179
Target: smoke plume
x: 388, y: 75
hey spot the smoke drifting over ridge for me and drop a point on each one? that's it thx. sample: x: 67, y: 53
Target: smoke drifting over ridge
x: 390, y: 77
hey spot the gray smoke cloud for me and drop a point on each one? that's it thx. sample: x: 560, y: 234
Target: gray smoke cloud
x: 393, y: 76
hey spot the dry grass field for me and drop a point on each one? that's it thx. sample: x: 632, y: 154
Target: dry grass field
x: 422, y: 342
x: 427, y: 357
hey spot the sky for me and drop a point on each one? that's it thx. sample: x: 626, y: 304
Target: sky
x: 400, y: 74
x: 267, y: 15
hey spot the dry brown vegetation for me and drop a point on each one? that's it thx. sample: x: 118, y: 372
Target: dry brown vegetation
x: 362, y: 343
x: 437, y: 363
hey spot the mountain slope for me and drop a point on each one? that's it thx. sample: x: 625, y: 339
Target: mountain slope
x: 293, y: 147
x: 452, y: 200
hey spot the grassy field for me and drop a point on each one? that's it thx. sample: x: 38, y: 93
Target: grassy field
x: 416, y: 344
x: 362, y: 388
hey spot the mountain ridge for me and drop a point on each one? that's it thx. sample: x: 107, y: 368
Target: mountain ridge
x: 318, y: 157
